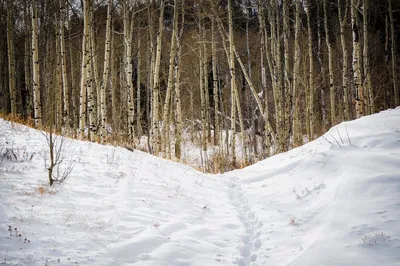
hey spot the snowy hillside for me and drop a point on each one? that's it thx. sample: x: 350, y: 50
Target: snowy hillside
x: 334, y: 201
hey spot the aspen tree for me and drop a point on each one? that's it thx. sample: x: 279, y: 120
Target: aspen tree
x: 106, y: 73
x: 322, y: 97
x: 297, y: 139
x: 215, y: 81
x: 114, y: 62
x: 151, y: 140
x: 367, y: 67
x: 356, y: 68
x: 202, y: 89
x: 233, y: 86
x: 11, y: 58
x: 345, y: 68
x: 330, y: 64
x: 28, y: 62
x: 205, y: 78
x: 138, y: 88
x: 166, y: 115
x: 156, y: 82
x: 95, y: 75
x: 128, y: 29
x: 264, y: 52
x: 65, y: 87
x: 178, y: 111
x: 311, y: 89
x: 91, y: 76
x: 37, y: 106
x: 84, y: 69
x: 394, y: 56
x: 58, y: 119
x: 74, y: 94
x: 287, y: 75
x: 171, y: 68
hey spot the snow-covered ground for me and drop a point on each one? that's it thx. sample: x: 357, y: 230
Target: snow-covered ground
x: 334, y: 201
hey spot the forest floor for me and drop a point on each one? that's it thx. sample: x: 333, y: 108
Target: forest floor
x: 333, y: 201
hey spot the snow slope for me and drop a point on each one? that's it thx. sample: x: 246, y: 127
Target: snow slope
x: 333, y: 201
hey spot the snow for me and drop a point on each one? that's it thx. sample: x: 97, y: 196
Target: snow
x: 333, y: 201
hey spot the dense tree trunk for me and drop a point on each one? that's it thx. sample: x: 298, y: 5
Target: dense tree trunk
x: 106, y: 74
x: 311, y: 86
x: 356, y: 64
x: 233, y: 87
x: 345, y: 68
x: 11, y: 58
x: 167, y: 104
x: 85, y: 78
x: 394, y: 56
x: 367, y: 67
x: 330, y: 65
x: 37, y: 106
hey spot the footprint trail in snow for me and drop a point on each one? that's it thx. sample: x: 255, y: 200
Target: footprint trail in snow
x: 250, y: 240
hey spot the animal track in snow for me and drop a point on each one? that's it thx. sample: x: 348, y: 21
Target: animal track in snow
x: 250, y: 240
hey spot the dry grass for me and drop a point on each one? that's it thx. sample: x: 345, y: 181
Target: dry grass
x: 41, y: 190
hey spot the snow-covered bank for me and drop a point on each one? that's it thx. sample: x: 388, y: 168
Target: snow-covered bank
x: 329, y: 202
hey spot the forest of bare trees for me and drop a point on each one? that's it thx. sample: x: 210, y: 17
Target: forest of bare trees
x: 264, y: 76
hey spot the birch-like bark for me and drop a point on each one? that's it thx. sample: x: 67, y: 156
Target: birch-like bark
x: 74, y: 94
x: 201, y: 87
x: 27, y: 62
x: 345, y: 67
x: 95, y: 77
x: 394, y: 56
x: 356, y: 59
x: 215, y: 82
x: 287, y: 76
x: 11, y: 58
x: 106, y: 74
x: 367, y: 67
x: 166, y: 115
x: 138, y: 88
x: 128, y: 29
x: 84, y: 69
x: 156, y: 81
x: 233, y: 87
x: 91, y: 76
x: 65, y: 88
x: 311, y: 89
x: 178, y: 111
x: 297, y: 139
x: 37, y: 107
x: 330, y: 65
